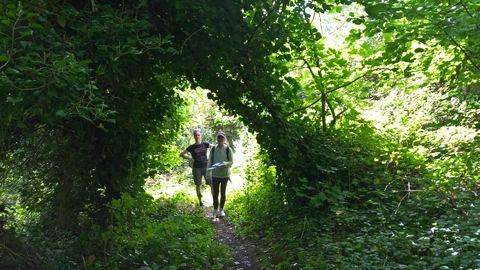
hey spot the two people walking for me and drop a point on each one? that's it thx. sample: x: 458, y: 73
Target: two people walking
x: 219, y: 163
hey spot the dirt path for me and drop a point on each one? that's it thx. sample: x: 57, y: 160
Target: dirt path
x: 242, y: 250
x: 243, y: 257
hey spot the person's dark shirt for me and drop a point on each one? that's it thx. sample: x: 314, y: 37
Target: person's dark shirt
x: 199, y: 154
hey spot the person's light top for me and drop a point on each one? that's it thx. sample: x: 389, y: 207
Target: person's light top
x: 220, y: 156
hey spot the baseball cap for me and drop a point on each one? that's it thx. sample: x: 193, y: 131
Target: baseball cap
x: 222, y: 134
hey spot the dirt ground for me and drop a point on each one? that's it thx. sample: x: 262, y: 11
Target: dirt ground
x: 242, y: 250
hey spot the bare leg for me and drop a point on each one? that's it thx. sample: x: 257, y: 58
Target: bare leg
x: 199, y: 194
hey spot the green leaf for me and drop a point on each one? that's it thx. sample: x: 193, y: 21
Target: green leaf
x: 392, y: 47
x: 62, y: 21
x: 102, y: 127
x: 15, y: 99
x: 388, y: 37
x: 60, y: 113
x: 38, y: 111
x: 472, y: 20
x: 11, y: 71
x: 25, y: 43
x: 408, y: 57
x: 36, y: 26
x: 31, y: 15
x: 376, y: 9
x: 21, y: 124
x: 26, y: 33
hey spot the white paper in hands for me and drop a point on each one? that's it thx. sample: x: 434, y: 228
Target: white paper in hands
x: 215, y: 166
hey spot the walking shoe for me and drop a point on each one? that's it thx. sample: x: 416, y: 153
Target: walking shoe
x: 221, y: 213
x: 214, y: 213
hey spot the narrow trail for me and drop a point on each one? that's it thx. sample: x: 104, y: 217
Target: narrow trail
x: 242, y: 250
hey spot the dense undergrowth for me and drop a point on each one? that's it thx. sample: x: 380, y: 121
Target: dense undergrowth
x: 166, y: 233
x: 388, y: 230
x: 409, y: 198
x: 385, y: 226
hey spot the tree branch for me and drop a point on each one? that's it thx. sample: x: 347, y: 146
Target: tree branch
x: 319, y: 99
x: 260, y: 23
x: 460, y: 47
x: 468, y: 12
